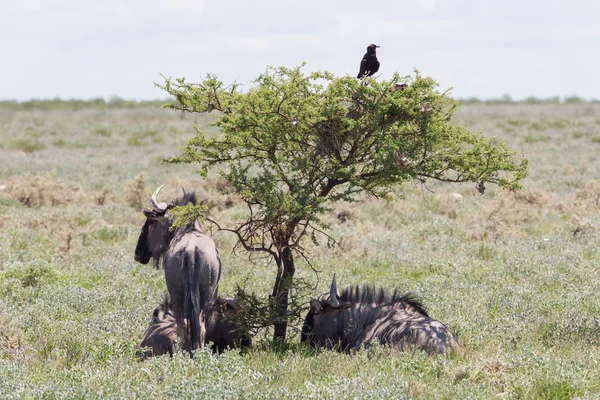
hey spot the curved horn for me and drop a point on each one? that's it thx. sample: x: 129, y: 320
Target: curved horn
x: 333, y: 300
x: 153, y: 198
x: 162, y: 207
x: 184, y: 193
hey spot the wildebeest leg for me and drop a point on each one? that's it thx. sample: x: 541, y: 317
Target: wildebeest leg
x: 175, y: 288
x: 202, y: 329
x: 205, y: 279
x: 195, y: 302
x: 184, y: 337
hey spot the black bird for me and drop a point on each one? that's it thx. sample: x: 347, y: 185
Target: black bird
x: 369, y: 64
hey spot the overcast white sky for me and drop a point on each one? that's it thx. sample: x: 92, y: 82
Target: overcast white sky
x: 91, y: 48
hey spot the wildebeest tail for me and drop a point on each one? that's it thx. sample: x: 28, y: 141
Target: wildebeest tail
x: 193, y: 303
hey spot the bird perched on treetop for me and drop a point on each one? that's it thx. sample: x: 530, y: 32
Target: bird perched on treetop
x: 369, y: 64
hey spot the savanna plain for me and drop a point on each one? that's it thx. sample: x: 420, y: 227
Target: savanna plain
x: 514, y: 274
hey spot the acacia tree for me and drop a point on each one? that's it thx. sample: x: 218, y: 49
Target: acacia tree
x: 293, y: 144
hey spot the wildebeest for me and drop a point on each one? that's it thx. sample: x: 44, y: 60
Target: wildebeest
x: 191, y: 262
x: 369, y: 64
x: 221, y: 329
x: 160, y: 335
x: 358, y: 316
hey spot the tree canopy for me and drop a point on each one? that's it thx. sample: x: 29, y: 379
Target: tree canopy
x: 294, y: 143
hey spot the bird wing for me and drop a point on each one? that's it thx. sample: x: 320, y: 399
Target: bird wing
x: 363, y: 67
x: 375, y: 67
x: 371, y: 65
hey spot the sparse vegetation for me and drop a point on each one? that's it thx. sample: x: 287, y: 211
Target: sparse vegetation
x: 27, y: 145
x: 77, y: 104
x: 506, y: 99
x: 515, y: 275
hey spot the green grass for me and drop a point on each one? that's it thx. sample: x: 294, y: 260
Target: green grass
x: 27, y: 145
x: 102, y: 131
x: 535, y: 138
x: 515, y: 275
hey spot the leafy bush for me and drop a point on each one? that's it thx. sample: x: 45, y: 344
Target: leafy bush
x: 32, y: 275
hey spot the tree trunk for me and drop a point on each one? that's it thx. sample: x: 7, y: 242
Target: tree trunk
x: 281, y: 293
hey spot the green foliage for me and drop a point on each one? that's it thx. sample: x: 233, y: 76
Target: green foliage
x: 184, y: 215
x: 296, y: 143
x: 32, y: 275
x: 259, y: 313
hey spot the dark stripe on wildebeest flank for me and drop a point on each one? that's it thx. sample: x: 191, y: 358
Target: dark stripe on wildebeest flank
x: 361, y: 315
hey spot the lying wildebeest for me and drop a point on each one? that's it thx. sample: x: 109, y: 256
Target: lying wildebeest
x: 160, y: 335
x: 191, y: 262
x: 221, y: 329
x: 359, y: 316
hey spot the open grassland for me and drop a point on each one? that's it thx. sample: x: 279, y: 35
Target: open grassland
x: 515, y: 275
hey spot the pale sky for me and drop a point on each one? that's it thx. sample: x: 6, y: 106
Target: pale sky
x: 101, y: 48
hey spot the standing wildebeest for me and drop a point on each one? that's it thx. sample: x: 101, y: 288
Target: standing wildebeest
x: 369, y: 63
x: 191, y: 262
x: 360, y: 316
x: 221, y: 329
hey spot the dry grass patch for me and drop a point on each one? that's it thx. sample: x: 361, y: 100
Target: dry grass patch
x: 135, y: 192
x: 587, y: 198
x: 38, y: 191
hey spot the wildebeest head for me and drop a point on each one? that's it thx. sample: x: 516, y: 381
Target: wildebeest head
x: 155, y: 236
x: 317, y: 328
x: 361, y: 315
x: 221, y: 329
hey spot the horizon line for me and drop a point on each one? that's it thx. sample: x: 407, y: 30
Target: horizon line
x: 504, y: 98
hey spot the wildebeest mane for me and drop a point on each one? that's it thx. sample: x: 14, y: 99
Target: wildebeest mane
x: 379, y: 296
x: 186, y: 198
x: 182, y: 201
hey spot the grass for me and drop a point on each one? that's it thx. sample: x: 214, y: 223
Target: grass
x: 515, y: 275
x: 27, y: 145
